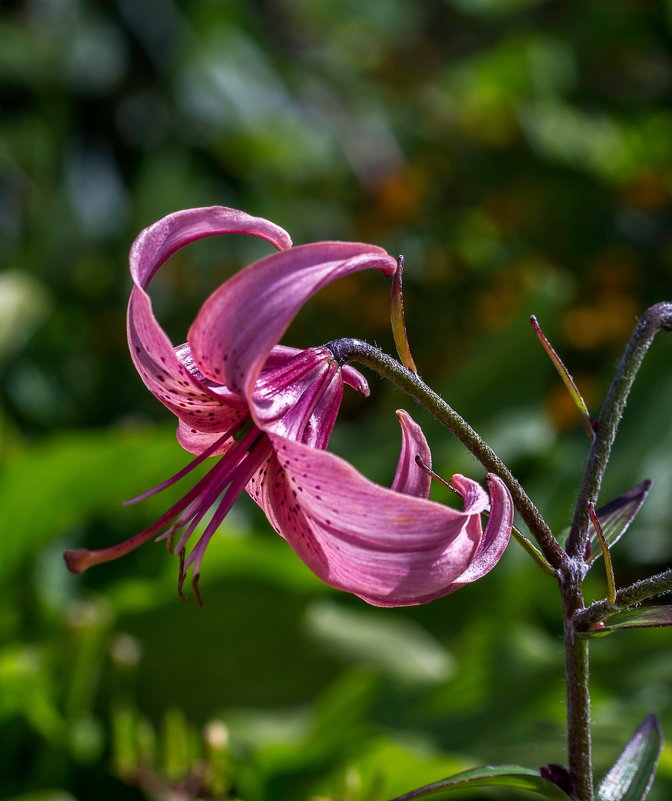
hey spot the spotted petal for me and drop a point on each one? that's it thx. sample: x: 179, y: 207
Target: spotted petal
x: 240, y: 322
x: 389, y: 548
x: 171, y: 376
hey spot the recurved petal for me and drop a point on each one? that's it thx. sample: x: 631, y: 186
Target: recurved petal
x: 497, y: 531
x: 171, y: 376
x: 240, y: 322
x: 157, y: 243
x: 409, y: 478
x: 389, y: 548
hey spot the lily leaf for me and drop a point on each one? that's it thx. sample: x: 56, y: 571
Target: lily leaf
x: 491, y: 776
x: 398, y: 319
x: 630, y: 777
x: 566, y: 377
x: 616, y: 516
x: 647, y: 617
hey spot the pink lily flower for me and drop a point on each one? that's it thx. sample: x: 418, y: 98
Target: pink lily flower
x: 266, y: 412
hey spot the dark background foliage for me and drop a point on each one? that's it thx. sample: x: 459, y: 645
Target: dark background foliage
x: 519, y: 153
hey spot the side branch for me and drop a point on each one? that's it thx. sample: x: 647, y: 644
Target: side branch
x: 411, y: 384
x: 626, y: 597
x: 655, y: 318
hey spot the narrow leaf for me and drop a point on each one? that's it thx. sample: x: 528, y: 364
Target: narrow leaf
x: 491, y: 776
x: 630, y: 777
x: 647, y: 617
x: 616, y: 516
x: 398, y: 320
x: 566, y: 377
x: 604, y: 547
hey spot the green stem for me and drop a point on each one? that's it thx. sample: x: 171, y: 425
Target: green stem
x: 576, y: 618
x: 655, y: 318
x: 578, y: 699
x: 410, y: 383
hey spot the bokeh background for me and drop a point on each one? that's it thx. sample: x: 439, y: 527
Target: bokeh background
x: 519, y: 153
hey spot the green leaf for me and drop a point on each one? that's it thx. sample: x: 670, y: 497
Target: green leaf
x: 398, y: 320
x: 398, y: 646
x: 630, y: 777
x: 491, y: 776
x: 616, y: 516
x: 648, y: 617
x: 565, y: 376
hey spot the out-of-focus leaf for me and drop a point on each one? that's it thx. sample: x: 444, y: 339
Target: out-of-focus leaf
x: 27, y: 692
x: 615, y: 517
x: 630, y: 777
x: 385, y: 767
x: 398, y: 647
x: 648, y: 617
x: 491, y: 776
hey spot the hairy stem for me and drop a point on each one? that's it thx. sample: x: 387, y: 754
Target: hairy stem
x: 410, y: 383
x: 578, y: 715
x: 579, y: 746
x: 576, y: 618
x: 655, y: 318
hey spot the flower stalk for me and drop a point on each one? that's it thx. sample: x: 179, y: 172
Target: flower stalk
x: 413, y: 386
x: 568, y: 570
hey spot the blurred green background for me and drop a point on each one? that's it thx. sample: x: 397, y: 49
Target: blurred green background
x: 519, y: 153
